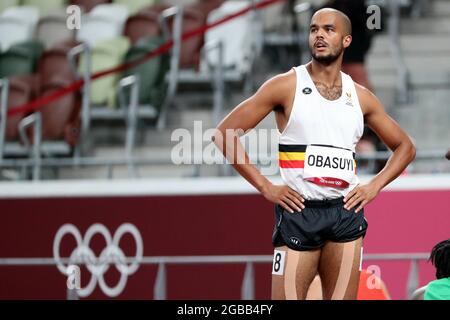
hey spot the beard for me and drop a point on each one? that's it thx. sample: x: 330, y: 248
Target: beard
x: 329, y: 58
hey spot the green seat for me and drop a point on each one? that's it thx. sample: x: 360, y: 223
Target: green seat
x: 136, y: 5
x: 20, y: 59
x: 152, y: 73
x: 105, y: 55
x: 45, y: 6
x: 4, y: 4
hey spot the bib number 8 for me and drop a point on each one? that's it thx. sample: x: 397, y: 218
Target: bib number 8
x: 278, y: 262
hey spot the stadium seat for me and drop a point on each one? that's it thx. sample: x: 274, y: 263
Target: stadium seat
x: 61, y: 118
x: 88, y: 5
x: 45, y: 6
x: 142, y: 25
x: 135, y: 5
x: 105, y: 55
x: 103, y: 23
x: 237, y: 45
x: 117, y: 12
x: 54, y: 64
x: 190, y: 49
x: 236, y: 35
x: 152, y: 73
x: 5, y: 4
x: 273, y: 16
x: 17, y: 24
x: 145, y: 24
x: 51, y: 29
x: 20, y: 59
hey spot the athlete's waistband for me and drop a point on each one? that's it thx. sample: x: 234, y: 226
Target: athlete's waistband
x: 324, y: 203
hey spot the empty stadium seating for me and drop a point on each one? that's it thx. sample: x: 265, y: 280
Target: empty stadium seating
x: 52, y: 29
x: 20, y: 59
x: 17, y: 24
x: 151, y: 74
x: 104, y: 55
x: 116, y: 31
x: 4, y: 4
x: 143, y: 24
x: 45, y: 6
x: 236, y: 35
x: 104, y: 22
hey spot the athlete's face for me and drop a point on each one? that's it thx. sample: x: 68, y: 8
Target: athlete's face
x: 327, y: 37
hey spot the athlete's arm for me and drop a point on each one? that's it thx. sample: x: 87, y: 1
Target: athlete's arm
x: 394, y: 137
x: 245, y: 117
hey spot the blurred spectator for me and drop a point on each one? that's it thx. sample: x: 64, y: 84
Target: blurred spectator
x: 366, y: 147
x: 440, y: 257
x: 448, y: 155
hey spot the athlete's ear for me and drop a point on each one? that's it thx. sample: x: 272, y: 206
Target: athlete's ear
x: 347, y: 41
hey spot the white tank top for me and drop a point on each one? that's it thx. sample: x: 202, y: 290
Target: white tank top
x: 317, y: 146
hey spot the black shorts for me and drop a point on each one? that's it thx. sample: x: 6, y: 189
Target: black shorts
x: 320, y: 221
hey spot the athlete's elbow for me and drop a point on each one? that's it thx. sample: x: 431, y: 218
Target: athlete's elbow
x: 410, y: 150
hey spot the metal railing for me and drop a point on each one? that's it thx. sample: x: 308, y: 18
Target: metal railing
x: 132, y: 161
x: 248, y: 280
x: 403, y: 75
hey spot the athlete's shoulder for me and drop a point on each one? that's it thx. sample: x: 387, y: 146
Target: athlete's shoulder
x: 284, y: 80
x: 278, y: 88
x: 367, y: 99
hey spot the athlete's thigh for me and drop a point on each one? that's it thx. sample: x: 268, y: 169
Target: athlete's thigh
x: 339, y: 269
x: 293, y: 272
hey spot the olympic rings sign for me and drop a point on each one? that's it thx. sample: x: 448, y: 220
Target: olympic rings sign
x: 98, y: 266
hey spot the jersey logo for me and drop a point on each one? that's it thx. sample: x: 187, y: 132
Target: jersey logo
x: 349, y: 99
x: 307, y: 90
x: 295, y: 241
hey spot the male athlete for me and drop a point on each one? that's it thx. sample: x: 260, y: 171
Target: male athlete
x: 320, y: 113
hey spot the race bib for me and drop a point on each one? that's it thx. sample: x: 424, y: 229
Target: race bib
x: 328, y: 166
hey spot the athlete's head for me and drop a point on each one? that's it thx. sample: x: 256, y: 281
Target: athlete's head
x: 440, y: 258
x: 330, y: 33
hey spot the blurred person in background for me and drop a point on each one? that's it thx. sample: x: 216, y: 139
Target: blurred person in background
x: 440, y: 257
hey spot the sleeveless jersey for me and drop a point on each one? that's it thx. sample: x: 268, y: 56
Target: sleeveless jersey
x: 317, y: 146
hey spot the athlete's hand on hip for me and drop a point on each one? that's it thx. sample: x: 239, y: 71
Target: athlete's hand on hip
x: 285, y: 197
x: 362, y: 194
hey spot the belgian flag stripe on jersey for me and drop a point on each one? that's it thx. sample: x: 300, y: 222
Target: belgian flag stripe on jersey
x: 291, y: 156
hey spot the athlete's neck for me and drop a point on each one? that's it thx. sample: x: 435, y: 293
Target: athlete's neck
x: 328, y: 74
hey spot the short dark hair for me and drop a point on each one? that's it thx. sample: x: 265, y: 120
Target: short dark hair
x: 440, y: 258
